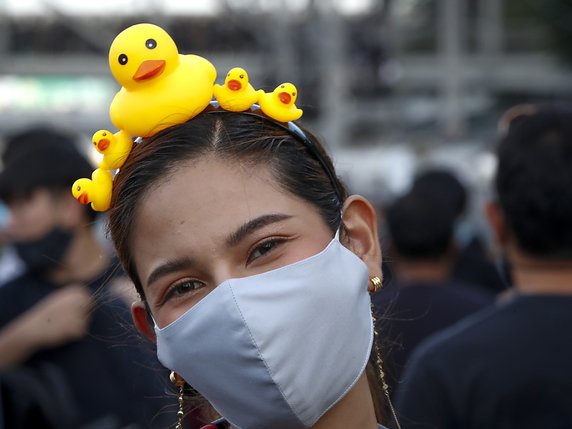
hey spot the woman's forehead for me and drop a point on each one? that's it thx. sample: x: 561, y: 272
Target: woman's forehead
x: 209, y: 197
x: 210, y: 184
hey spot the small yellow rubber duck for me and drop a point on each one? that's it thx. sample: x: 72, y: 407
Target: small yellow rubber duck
x: 237, y: 94
x: 96, y: 190
x: 113, y: 147
x: 160, y: 87
x: 279, y: 104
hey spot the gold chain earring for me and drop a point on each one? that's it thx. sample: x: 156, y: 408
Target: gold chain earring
x: 374, y: 285
x: 379, y: 363
x: 178, y: 381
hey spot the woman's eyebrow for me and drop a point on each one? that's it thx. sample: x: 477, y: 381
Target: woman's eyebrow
x: 168, y: 268
x: 233, y: 239
x: 252, y: 225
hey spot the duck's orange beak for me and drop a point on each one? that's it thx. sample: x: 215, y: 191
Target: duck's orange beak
x: 149, y: 69
x: 234, y: 85
x: 83, y: 198
x: 103, y: 144
x: 284, y: 97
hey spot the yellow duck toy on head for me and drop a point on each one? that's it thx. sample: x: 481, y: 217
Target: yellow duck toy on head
x: 160, y: 88
x: 280, y: 104
x: 237, y: 94
x: 113, y: 147
x: 96, y: 190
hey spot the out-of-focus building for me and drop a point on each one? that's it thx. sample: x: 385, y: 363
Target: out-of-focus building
x: 389, y: 84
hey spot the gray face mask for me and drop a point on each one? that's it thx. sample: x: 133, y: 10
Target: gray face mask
x: 277, y: 349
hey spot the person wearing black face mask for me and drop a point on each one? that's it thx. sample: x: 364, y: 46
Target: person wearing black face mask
x: 45, y: 253
x: 63, y: 360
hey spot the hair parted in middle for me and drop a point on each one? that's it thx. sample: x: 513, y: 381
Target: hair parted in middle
x: 237, y: 137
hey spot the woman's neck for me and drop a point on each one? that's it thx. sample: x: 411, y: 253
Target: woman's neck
x: 541, y: 276
x: 353, y: 411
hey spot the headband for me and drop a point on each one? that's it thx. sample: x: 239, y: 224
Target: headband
x: 161, y: 88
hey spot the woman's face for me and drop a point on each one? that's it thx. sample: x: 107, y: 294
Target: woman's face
x: 212, y: 220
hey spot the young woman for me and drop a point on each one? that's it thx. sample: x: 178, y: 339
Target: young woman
x: 254, y: 269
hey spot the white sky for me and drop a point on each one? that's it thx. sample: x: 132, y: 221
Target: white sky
x: 103, y: 7
x: 168, y: 7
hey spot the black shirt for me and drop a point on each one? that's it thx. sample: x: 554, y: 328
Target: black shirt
x: 508, y: 367
x: 473, y: 266
x: 408, y: 313
x: 110, y: 375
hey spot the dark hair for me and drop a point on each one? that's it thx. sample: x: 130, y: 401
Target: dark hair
x: 420, y: 227
x: 444, y: 186
x: 42, y: 157
x: 534, y: 181
x: 247, y: 138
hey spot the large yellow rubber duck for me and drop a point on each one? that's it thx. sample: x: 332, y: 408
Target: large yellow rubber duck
x: 280, y: 104
x: 96, y: 190
x: 237, y: 94
x: 160, y: 87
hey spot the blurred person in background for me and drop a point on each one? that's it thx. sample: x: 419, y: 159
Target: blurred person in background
x: 473, y: 263
x: 509, y: 366
x: 423, y: 298
x: 10, y: 264
x: 66, y: 352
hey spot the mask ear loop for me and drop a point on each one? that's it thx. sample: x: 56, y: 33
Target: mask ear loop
x: 379, y: 363
x: 337, y: 234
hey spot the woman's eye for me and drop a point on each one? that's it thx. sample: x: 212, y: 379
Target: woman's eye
x: 183, y: 288
x: 263, y: 249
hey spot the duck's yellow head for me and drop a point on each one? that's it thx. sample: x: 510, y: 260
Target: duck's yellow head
x: 286, y: 93
x: 236, y: 79
x: 81, y: 190
x: 142, y: 53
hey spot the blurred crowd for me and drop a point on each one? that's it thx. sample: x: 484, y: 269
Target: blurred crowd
x: 478, y: 336
x: 475, y: 332
x: 474, y: 325
x: 68, y: 355
x: 473, y: 335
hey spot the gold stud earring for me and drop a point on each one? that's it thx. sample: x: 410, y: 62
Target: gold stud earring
x: 374, y: 285
x: 178, y: 381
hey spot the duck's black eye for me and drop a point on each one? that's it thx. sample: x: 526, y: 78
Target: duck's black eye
x: 242, y: 76
x: 122, y: 59
x: 293, y: 94
x: 151, y: 43
x: 79, y: 188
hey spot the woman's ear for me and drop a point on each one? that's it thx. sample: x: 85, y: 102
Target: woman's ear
x: 360, y: 225
x: 141, y: 320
